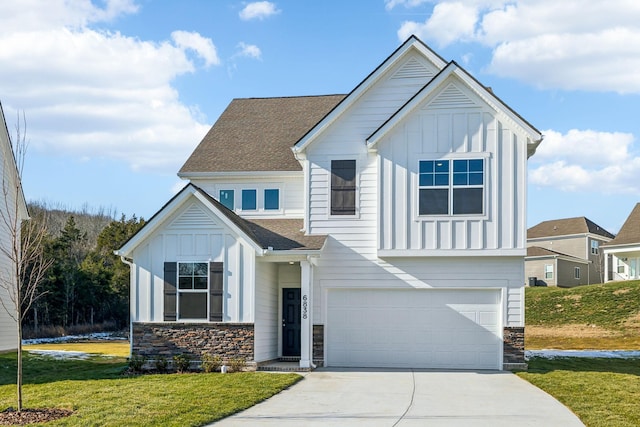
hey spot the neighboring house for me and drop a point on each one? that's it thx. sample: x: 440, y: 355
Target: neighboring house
x: 382, y: 228
x: 565, y: 252
x: 13, y: 209
x: 623, y: 252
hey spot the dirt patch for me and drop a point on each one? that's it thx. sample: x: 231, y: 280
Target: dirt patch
x: 571, y: 331
x: 12, y: 417
x: 622, y: 291
x: 574, y: 297
x: 633, y: 322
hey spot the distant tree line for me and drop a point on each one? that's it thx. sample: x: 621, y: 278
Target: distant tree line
x: 87, y: 286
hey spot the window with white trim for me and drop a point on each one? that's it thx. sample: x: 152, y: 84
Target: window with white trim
x: 621, y: 265
x: 193, y: 290
x: 576, y: 272
x: 227, y: 198
x: 594, y: 247
x: 343, y: 187
x: 451, y: 187
x: 548, y: 271
x: 249, y: 200
x: 271, y: 199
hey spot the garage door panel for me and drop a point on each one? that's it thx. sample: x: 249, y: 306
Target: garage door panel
x: 457, y: 329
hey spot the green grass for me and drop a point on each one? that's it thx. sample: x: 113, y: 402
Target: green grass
x: 601, y: 392
x: 608, y: 305
x: 99, y: 394
x: 106, y: 348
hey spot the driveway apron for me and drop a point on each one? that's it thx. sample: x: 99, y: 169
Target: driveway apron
x: 343, y: 397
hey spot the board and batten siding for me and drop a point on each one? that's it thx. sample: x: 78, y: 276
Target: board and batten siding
x: 192, y: 235
x: 266, y: 312
x: 291, y: 193
x: 453, y: 124
x: 350, y: 257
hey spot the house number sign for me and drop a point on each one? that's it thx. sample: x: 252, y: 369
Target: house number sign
x: 305, y: 307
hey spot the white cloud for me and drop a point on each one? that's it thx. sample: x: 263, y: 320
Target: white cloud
x: 201, y: 45
x: 258, y: 10
x: 586, y: 160
x: 390, y: 4
x: 249, y: 51
x: 569, y: 44
x: 450, y: 21
x: 95, y: 94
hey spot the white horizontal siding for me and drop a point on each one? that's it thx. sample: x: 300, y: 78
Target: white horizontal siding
x: 291, y: 193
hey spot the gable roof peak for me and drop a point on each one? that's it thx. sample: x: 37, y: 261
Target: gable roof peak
x: 630, y: 231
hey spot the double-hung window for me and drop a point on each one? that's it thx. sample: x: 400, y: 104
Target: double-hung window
x: 548, y: 271
x: 343, y: 187
x: 594, y: 247
x: 451, y: 187
x: 193, y: 290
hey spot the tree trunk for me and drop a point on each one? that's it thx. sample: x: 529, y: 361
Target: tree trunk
x: 19, y: 374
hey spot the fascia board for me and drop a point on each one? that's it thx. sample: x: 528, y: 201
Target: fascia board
x: 239, y: 174
x: 369, y: 81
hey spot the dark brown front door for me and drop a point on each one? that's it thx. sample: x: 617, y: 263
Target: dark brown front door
x: 291, y: 321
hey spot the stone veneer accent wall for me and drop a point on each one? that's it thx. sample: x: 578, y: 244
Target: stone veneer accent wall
x: 318, y: 345
x: 513, y: 348
x: 227, y: 340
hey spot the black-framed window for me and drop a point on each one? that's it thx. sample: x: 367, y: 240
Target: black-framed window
x: 343, y: 187
x: 451, y: 187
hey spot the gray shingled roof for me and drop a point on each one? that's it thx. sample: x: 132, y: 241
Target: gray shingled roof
x: 566, y: 227
x: 256, y: 134
x: 630, y: 231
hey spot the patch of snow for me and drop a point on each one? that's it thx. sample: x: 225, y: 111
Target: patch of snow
x: 606, y: 354
x: 61, y: 354
x: 102, y: 336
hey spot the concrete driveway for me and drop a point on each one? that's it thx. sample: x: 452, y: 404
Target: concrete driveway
x: 343, y: 397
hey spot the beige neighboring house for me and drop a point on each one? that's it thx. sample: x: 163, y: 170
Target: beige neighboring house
x: 623, y: 252
x: 12, y: 203
x: 566, y: 253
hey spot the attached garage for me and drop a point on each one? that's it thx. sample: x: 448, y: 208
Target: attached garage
x: 414, y: 328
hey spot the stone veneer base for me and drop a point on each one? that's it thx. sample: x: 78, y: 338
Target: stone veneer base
x: 227, y: 340
x: 513, y: 348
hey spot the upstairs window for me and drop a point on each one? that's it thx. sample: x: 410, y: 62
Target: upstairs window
x: 343, y: 187
x: 271, y: 199
x: 451, y: 187
x: 249, y: 200
x: 594, y: 247
x: 226, y: 198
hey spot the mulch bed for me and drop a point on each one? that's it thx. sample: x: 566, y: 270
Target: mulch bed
x: 29, y: 416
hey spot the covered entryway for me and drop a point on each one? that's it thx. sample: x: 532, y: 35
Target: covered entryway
x: 414, y: 328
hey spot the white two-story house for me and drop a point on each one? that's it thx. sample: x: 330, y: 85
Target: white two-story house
x: 382, y: 228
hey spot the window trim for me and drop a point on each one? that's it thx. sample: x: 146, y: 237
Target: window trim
x: 450, y: 187
x: 179, y: 291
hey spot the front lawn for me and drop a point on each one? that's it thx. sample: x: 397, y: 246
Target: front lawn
x: 99, y: 394
x: 605, y: 317
x: 602, y: 392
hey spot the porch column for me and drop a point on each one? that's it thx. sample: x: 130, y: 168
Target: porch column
x: 606, y: 267
x: 306, y: 322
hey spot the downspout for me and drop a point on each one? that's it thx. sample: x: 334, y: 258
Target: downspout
x: 130, y: 264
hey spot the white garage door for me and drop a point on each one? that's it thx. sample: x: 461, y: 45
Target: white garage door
x: 417, y: 328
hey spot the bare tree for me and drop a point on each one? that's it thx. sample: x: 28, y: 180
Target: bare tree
x: 22, y: 245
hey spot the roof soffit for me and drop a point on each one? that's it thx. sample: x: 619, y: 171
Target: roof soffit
x: 392, y: 63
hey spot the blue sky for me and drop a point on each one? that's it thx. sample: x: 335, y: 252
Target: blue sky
x: 117, y: 93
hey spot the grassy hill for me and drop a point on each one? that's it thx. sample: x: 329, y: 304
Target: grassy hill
x: 603, y: 316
